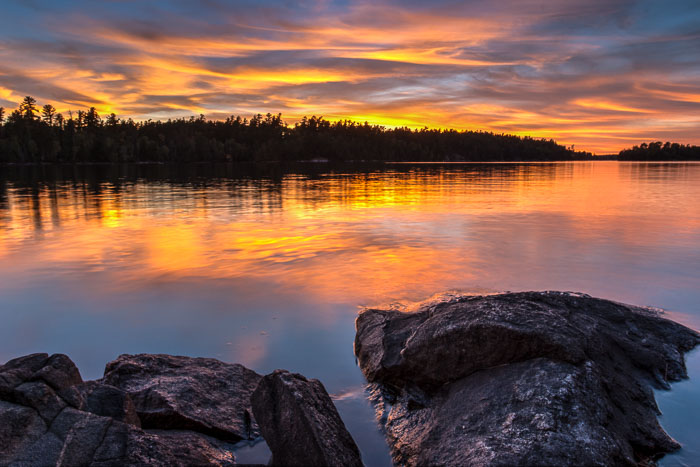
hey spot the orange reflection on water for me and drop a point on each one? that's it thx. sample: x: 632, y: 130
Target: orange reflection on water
x: 397, y: 234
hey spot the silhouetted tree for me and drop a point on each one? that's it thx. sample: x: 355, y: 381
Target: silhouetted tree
x: 92, y: 118
x: 2, y: 115
x: 15, y: 117
x: 112, y: 120
x: 28, y: 108
x: 80, y: 120
x: 49, y: 112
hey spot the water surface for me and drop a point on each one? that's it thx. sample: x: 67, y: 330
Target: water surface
x: 267, y: 267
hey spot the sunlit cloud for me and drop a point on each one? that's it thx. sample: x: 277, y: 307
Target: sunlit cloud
x: 602, y: 75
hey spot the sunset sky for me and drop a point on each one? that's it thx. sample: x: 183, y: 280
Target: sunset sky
x: 600, y: 74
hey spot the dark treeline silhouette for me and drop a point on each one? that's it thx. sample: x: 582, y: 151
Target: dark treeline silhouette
x: 658, y: 151
x: 32, y: 135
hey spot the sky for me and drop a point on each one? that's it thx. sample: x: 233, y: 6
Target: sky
x: 597, y: 74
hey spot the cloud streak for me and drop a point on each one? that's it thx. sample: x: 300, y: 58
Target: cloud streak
x: 598, y: 74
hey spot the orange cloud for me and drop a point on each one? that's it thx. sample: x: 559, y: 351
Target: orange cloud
x: 520, y: 68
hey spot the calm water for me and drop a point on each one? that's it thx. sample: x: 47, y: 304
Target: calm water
x: 268, y: 267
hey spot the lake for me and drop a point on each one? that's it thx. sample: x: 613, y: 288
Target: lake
x: 267, y: 266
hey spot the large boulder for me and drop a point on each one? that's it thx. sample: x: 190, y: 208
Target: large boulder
x: 300, y: 423
x: 199, y: 394
x: 546, y: 378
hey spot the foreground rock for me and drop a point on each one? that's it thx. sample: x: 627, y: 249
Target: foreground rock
x: 528, y: 378
x: 300, y: 423
x: 148, y: 410
x: 199, y: 394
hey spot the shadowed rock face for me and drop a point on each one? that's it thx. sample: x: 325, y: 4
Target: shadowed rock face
x: 544, y: 378
x: 300, y: 423
x: 49, y: 416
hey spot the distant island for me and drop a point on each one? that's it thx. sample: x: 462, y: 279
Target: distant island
x: 658, y: 151
x: 33, y: 134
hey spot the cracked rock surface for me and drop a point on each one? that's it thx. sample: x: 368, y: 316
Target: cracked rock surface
x: 530, y: 378
x: 147, y: 410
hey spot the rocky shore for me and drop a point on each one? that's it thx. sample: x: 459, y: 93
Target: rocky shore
x: 163, y: 410
x: 544, y: 378
x: 534, y: 378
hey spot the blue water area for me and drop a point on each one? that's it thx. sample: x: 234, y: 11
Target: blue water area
x: 268, y: 266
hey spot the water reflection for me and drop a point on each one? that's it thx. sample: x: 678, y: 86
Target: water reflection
x: 266, y: 265
x: 391, y: 234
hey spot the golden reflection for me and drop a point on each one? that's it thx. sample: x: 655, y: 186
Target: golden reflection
x: 343, y: 238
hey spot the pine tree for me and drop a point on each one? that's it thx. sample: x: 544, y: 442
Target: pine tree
x: 48, y: 111
x: 28, y: 108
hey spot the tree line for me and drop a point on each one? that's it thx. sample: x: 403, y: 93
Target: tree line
x: 34, y: 134
x: 658, y: 151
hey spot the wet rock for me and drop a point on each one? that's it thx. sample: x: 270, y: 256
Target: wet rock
x: 545, y: 378
x: 198, y: 394
x: 300, y: 423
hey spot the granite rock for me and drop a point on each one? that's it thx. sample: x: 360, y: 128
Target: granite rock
x: 546, y: 378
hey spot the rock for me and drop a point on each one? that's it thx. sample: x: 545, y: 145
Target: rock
x: 173, y: 447
x: 300, y: 423
x: 20, y: 427
x: 49, y: 416
x: 58, y: 372
x: 18, y: 370
x: 108, y: 401
x: 198, y: 394
x: 80, y: 438
x: 544, y: 378
x: 40, y: 397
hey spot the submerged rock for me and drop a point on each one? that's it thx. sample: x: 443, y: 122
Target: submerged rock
x: 300, y: 423
x: 544, y: 378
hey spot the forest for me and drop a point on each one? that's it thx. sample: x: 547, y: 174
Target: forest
x: 34, y: 134
x: 658, y: 151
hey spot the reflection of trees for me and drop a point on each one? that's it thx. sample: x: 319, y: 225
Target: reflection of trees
x: 656, y: 171
x: 55, y: 193
x: 4, y: 205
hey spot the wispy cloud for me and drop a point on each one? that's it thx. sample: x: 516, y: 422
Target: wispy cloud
x: 598, y: 74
